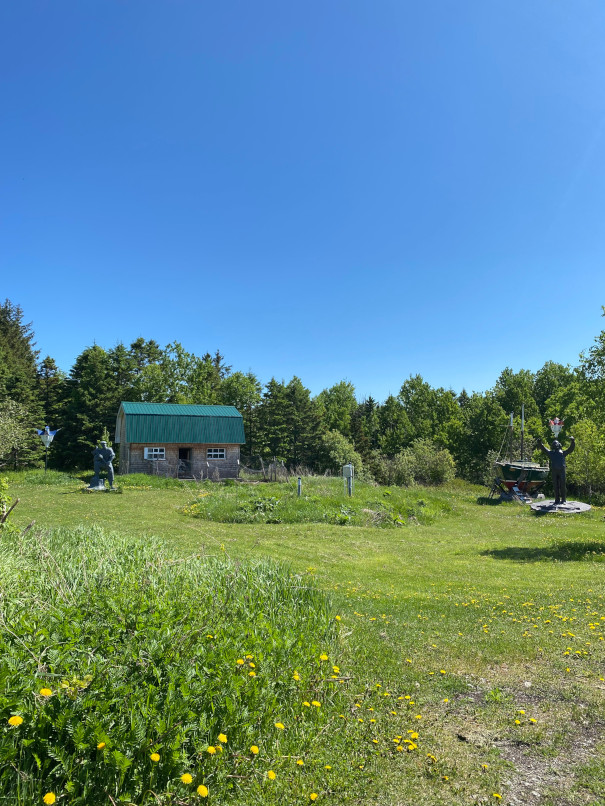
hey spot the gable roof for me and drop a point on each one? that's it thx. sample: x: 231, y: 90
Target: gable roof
x: 180, y: 423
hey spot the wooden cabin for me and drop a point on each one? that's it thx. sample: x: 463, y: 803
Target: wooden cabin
x: 179, y: 440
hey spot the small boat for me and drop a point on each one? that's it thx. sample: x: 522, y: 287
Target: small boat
x: 519, y: 477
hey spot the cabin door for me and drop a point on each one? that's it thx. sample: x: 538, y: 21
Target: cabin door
x: 184, y: 463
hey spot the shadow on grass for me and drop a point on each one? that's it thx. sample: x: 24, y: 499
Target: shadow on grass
x: 484, y: 500
x: 569, y: 551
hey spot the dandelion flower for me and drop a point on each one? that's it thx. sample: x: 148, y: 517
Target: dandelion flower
x: 300, y: 762
x: 101, y: 745
x: 296, y: 676
x: 254, y: 750
x: 212, y: 750
x: 45, y: 692
x: 49, y: 798
x: 338, y: 618
x: 323, y: 656
x: 202, y: 791
x: 240, y: 662
x: 186, y: 778
x: 279, y: 725
x: 313, y: 796
x: 251, y: 674
x: 308, y: 704
x: 15, y: 721
x: 155, y: 756
x: 271, y: 775
x: 222, y: 738
x: 316, y: 703
x: 328, y: 767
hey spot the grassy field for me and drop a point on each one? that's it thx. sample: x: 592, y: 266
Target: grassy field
x: 475, y: 628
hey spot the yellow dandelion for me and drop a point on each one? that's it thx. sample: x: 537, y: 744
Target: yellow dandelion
x: 254, y: 750
x: 271, y: 775
x: 222, y: 738
x: 49, y: 798
x: 212, y: 750
x: 399, y: 748
x: 323, y: 656
x: 251, y: 674
x: 308, y: 704
x: 300, y: 762
x: 240, y: 662
x: 101, y: 745
x: 296, y: 676
x: 313, y: 796
x: 252, y: 666
x: 15, y: 721
x: 338, y: 618
x: 186, y: 778
x: 155, y: 756
x: 279, y: 726
x: 316, y: 703
x: 45, y: 692
x: 328, y: 767
x: 202, y: 791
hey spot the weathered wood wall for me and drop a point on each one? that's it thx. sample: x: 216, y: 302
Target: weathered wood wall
x: 132, y: 460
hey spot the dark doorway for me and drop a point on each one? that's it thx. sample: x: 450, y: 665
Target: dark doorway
x: 184, y: 463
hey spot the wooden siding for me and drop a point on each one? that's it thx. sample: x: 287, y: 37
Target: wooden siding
x: 132, y: 460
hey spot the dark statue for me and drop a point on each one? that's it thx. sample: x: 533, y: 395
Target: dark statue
x: 103, y: 458
x: 556, y: 457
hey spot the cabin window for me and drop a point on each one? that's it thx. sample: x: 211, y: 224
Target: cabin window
x: 154, y: 453
x: 215, y: 453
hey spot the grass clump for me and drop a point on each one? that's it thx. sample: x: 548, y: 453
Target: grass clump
x: 323, y: 501
x: 126, y: 672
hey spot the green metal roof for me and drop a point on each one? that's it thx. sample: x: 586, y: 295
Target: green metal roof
x: 182, y: 423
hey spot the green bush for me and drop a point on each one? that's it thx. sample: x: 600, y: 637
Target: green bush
x: 422, y: 463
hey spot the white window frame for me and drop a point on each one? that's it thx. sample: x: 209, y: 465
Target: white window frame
x: 154, y: 454
x: 216, y: 453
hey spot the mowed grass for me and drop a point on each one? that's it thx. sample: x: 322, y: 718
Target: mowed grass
x: 488, y: 619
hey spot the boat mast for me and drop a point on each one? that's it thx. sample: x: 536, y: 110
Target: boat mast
x: 510, y: 440
x: 522, y: 429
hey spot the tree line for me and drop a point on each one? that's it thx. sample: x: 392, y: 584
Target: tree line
x: 421, y: 434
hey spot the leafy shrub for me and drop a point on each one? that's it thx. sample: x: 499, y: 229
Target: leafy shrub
x: 422, y: 463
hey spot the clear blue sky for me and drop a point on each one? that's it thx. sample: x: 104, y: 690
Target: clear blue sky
x: 360, y: 190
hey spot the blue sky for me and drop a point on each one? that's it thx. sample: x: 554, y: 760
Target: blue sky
x: 357, y: 190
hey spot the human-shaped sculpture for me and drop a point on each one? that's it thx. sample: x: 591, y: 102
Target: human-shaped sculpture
x: 103, y: 458
x: 556, y: 458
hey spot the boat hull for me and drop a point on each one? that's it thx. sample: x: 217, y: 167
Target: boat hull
x: 528, y: 477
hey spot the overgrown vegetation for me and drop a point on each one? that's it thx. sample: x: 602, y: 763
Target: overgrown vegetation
x: 125, y: 671
x: 324, y: 501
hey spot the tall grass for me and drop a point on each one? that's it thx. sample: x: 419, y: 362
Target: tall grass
x: 128, y: 666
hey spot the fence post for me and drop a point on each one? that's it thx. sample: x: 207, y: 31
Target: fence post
x: 299, y: 486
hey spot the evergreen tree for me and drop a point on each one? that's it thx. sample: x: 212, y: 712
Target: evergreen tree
x: 273, y: 421
x: 92, y: 405
x: 303, y: 426
x: 18, y: 381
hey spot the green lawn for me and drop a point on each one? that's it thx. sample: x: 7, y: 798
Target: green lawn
x: 481, y: 629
